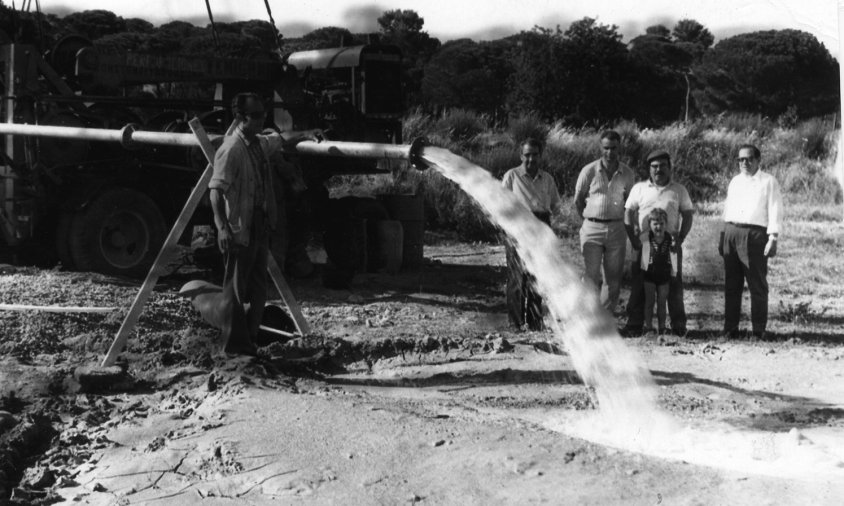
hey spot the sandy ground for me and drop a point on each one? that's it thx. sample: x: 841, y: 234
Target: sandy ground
x: 411, y: 390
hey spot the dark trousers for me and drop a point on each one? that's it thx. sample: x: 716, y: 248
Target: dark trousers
x: 245, y: 288
x: 636, y: 304
x: 745, y: 260
x: 524, y: 304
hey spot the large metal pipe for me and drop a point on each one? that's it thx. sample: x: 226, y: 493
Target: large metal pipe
x: 130, y: 136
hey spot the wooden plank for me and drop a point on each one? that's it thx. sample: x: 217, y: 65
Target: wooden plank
x: 287, y: 296
x: 157, y: 268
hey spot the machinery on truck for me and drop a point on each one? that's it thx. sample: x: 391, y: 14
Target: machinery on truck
x: 107, y: 207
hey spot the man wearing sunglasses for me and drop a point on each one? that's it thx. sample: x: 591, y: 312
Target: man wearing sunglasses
x: 244, y: 206
x: 752, y: 222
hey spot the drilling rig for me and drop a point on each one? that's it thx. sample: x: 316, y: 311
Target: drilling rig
x: 107, y: 207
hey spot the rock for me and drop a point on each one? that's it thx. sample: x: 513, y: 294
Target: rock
x: 95, y: 379
x: 501, y: 345
x: 38, y: 478
x: 438, y: 443
x: 7, y: 421
x: 98, y: 487
x: 211, y: 384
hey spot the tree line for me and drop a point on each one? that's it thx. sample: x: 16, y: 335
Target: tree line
x: 584, y: 75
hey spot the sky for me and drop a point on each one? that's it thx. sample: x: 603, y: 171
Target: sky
x: 488, y: 19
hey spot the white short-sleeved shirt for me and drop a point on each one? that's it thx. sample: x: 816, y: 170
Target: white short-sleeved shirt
x: 646, y: 196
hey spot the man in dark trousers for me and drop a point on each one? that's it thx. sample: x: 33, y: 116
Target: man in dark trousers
x: 659, y: 191
x: 537, y: 190
x: 752, y: 223
x: 244, y: 206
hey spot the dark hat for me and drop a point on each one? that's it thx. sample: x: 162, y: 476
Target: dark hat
x: 657, y: 154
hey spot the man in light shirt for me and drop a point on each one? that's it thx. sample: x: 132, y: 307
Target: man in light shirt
x: 658, y: 192
x: 537, y: 190
x: 601, y: 191
x: 752, y: 221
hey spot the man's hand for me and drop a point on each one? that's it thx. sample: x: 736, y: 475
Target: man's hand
x: 678, y: 243
x: 771, y: 247
x: 721, y: 244
x: 316, y: 135
x: 224, y: 239
x: 636, y: 242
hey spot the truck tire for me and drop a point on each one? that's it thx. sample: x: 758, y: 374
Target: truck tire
x: 120, y: 233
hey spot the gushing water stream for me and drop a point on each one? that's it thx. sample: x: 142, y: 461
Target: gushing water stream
x: 628, y: 416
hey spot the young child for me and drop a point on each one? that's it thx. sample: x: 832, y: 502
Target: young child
x: 658, y: 267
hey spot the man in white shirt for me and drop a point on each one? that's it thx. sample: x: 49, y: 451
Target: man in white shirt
x: 752, y: 222
x: 657, y: 192
x: 537, y: 190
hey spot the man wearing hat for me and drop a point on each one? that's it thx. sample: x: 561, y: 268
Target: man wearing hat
x: 659, y: 191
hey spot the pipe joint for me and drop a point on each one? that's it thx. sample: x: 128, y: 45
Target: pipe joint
x: 415, y: 153
x: 126, y: 139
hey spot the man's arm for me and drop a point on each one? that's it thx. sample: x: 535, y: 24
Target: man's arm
x: 685, y: 226
x: 774, y: 218
x: 556, y: 200
x: 581, y: 190
x: 294, y: 136
x: 631, y: 219
x: 224, y: 231
x: 727, y: 211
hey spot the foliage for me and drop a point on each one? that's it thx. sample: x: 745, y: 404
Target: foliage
x: 580, y: 75
x: 94, y: 24
x: 689, y: 31
x: 415, y: 124
x: 766, y: 72
x: 138, y: 25
x: 459, y: 125
x: 261, y: 34
x: 801, y: 312
x: 404, y: 29
x: 526, y: 126
x: 467, y: 74
x: 322, y: 38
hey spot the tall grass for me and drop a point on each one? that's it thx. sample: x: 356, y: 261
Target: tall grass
x: 703, y: 154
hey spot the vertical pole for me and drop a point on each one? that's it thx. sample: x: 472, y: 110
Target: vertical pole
x: 157, y: 267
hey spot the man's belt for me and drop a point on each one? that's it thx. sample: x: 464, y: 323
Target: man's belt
x: 599, y: 220
x: 748, y: 225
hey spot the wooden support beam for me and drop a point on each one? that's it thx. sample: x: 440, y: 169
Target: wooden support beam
x: 157, y: 268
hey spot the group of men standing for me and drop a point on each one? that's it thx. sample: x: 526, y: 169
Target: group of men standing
x: 615, y: 208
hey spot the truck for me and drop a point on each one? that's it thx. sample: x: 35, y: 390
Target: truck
x: 107, y: 207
